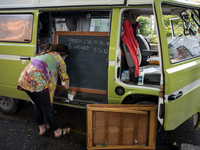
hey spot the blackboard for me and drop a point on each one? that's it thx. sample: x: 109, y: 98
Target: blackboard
x: 87, y: 63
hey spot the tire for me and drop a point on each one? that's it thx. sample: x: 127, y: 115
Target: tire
x: 9, y: 105
x: 161, y: 133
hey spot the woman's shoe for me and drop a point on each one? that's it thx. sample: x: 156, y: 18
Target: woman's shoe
x: 62, y: 132
x: 43, y: 129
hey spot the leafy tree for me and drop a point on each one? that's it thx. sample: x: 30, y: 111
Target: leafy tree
x: 144, y: 21
x: 151, y: 35
x: 178, y: 25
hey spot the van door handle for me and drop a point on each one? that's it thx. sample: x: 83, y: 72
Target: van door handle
x: 25, y: 58
x: 175, y: 96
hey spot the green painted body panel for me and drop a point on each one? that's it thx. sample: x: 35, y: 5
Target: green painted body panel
x: 8, y: 83
x: 179, y: 79
x: 112, y: 50
x: 111, y: 84
x: 12, y: 68
x: 179, y: 110
x: 17, y: 49
x: 114, y: 34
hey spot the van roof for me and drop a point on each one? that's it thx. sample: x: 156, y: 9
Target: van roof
x: 9, y: 4
x: 6, y: 4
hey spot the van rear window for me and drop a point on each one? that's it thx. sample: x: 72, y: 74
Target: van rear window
x: 16, y: 27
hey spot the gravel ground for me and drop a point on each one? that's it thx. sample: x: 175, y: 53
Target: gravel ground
x: 20, y: 132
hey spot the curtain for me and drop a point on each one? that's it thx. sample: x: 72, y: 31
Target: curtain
x: 71, y: 23
x: 83, y: 24
x: 78, y: 24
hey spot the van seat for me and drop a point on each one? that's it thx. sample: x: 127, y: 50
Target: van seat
x: 143, y: 45
x: 130, y: 47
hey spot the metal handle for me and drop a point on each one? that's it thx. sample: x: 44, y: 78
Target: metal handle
x: 25, y: 58
x: 175, y: 96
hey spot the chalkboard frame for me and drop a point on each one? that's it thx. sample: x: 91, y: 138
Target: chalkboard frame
x: 81, y: 33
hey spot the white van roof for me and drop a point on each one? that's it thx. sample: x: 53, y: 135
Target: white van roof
x: 5, y: 4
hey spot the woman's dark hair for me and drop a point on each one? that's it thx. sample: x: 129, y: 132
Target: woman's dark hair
x: 62, y: 49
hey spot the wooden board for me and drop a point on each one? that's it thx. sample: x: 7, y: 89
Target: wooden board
x: 121, y: 126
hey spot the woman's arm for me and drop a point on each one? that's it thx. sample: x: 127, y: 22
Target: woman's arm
x: 62, y: 71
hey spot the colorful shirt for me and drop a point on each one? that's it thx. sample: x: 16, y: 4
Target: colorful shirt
x: 42, y: 73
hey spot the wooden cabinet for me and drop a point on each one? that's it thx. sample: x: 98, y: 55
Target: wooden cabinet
x: 121, y: 126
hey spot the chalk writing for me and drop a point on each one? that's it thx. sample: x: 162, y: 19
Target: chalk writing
x: 87, y: 62
x: 87, y: 43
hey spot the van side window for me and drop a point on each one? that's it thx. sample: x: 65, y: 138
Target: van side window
x: 97, y: 25
x: 89, y: 22
x: 182, y: 35
x: 16, y: 27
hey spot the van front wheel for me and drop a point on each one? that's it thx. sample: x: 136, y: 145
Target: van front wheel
x: 9, y: 105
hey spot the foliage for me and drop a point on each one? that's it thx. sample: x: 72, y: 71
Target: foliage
x: 147, y: 23
x: 177, y: 25
x: 144, y: 21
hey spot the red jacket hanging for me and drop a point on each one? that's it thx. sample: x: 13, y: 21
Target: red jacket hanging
x: 130, y: 41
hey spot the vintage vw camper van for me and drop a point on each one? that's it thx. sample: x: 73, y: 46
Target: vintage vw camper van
x: 122, y: 52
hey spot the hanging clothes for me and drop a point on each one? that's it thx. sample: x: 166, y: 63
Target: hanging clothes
x: 130, y: 41
x: 83, y: 24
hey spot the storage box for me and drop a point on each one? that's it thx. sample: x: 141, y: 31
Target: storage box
x: 121, y: 126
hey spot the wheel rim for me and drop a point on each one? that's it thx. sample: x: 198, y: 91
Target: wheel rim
x: 5, y: 101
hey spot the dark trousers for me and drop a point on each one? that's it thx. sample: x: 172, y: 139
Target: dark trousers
x: 43, y: 107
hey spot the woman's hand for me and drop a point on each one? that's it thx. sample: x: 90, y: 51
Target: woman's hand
x: 66, y: 86
x: 72, y: 93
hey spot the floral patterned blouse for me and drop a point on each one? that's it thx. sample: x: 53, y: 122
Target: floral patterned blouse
x: 42, y: 72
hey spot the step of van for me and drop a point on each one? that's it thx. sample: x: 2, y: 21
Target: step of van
x: 80, y: 100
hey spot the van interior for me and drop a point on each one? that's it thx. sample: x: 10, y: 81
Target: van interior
x: 88, y: 71
x: 86, y: 32
x: 146, y: 52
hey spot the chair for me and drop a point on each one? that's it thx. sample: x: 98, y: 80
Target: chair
x: 143, y: 52
x: 129, y: 59
x: 144, y: 46
x: 130, y: 47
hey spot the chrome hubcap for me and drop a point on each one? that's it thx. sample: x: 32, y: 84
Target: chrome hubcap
x: 5, y: 101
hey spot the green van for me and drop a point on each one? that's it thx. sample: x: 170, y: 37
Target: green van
x: 163, y: 68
